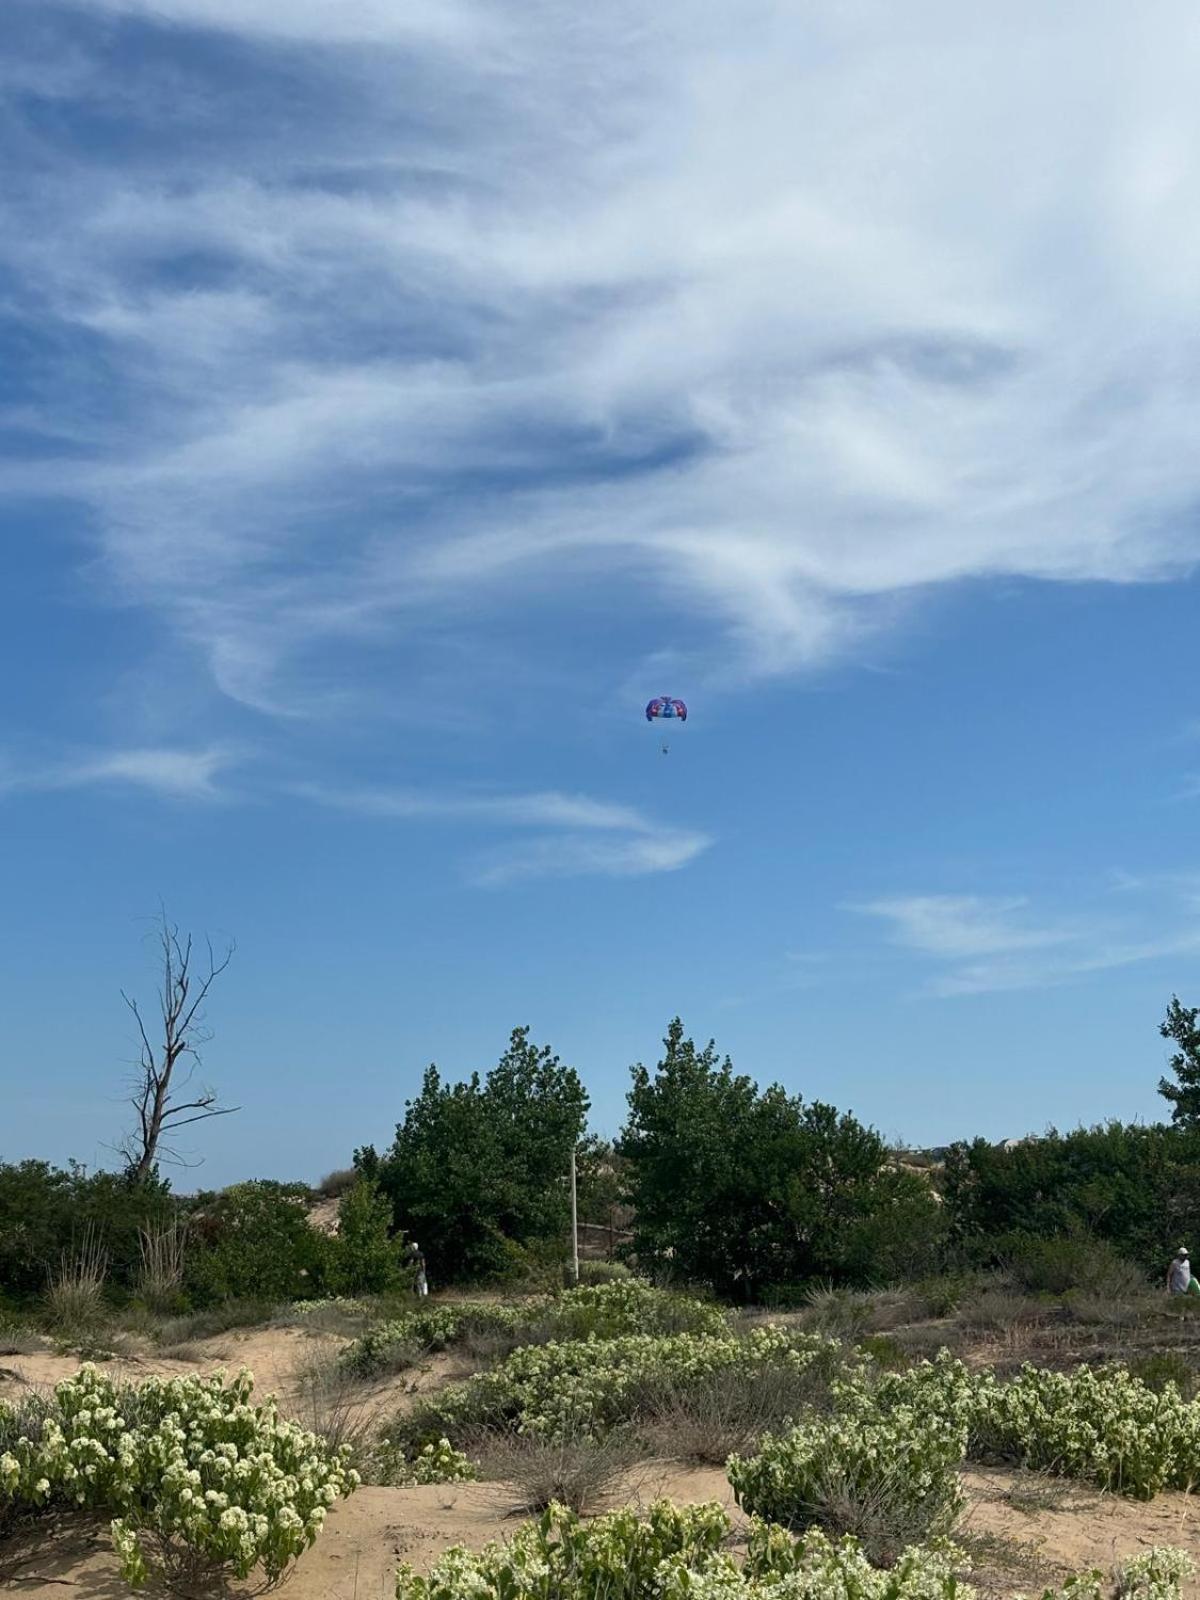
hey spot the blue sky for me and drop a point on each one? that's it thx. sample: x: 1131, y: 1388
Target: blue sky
x: 395, y: 397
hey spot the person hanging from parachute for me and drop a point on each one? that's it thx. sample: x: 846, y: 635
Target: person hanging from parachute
x: 663, y: 713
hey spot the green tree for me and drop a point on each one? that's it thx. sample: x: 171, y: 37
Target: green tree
x: 743, y: 1188
x: 476, y: 1174
x: 1136, y: 1187
x: 365, y: 1256
x: 1183, y: 1095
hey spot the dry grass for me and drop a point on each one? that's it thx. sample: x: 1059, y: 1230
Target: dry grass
x: 998, y: 1562
x: 1034, y: 1492
x: 840, y: 1313
x: 329, y: 1402
x: 881, y: 1514
x: 160, y: 1279
x: 705, y: 1423
x: 16, y: 1339
x: 582, y: 1472
x: 75, y: 1286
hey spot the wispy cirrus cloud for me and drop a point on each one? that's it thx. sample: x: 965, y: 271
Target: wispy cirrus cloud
x: 577, y: 836
x: 980, y: 944
x: 172, y: 773
x: 401, y: 319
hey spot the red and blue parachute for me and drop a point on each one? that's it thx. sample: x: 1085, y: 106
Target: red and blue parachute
x: 663, y: 712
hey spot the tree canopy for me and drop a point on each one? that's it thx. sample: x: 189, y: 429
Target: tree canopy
x: 476, y: 1174
x: 1183, y: 1095
x: 743, y: 1188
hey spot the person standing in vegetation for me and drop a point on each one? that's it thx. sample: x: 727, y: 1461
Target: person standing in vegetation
x: 1179, y: 1274
x: 421, y: 1281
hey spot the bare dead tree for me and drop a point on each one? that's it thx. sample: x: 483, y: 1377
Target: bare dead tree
x: 165, y: 1070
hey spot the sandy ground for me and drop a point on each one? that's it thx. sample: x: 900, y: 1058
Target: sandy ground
x: 1022, y: 1532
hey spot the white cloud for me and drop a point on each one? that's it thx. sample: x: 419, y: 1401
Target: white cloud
x: 957, y: 926
x: 980, y: 945
x: 597, y: 837
x: 174, y: 774
x: 762, y: 319
x: 576, y: 855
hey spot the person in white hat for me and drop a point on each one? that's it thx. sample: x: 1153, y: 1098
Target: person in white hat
x: 1179, y: 1274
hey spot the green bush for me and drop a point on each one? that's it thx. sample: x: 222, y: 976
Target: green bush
x: 679, y: 1553
x: 254, y: 1241
x: 1098, y: 1424
x: 47, y: 1211
x: 1101, y: 1425
x: 596, y: 1272
x: 742, y: 1188
x: 595, y: 1311
x: 1136, y: 1187
x: 587, y: 1386
x: 619, y: 1556
x: 391, y: 1346
x: 1071, y: 1262
x: 1164, y: 1368
x: 196, y: 1479
x: 475, y: 1171
x: 364, y: 1257
x: 892, y: 1479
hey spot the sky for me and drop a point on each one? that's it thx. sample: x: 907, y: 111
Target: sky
x: 395, y: 397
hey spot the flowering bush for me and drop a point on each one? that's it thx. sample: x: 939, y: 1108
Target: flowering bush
x: 559, y: 1557
x: 677, y: 1553
x: 1154, y: 1575
x: 190, y: 1471
x: 1103, y: 1425
x: 583, y: 1386
x: 437, y: 1462
x: 391, y: 1344
x: 601, y: 1311
x: 1100, y: 1424
x: 897, y: 1472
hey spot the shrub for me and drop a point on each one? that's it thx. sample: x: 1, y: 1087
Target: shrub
x: 885, y: 1351
x: 892, y: 1480
x: 594, y: 1272
x: 214, y: 1320
x: 254, y: 1241
x: 942, y: 1294
x: 677, y: 1553
x: 45, y: 1211
x: 590, y: 1385
x: 729, y: 1410
x: 163, y: 1250
x: 436, y: 1462
x: 1165, y: 1368
x: 392, y: 1346
x: 610, y: 1310
x: 75, y: 1286
x: 600, y: 1311
x: 842, y: 1313
x: 618, y: 1556
x: 1099, y: 1424
x: 1072, y: 1262
x: 337, y: 1183
x: 1154, y: 1575
x: 578, y: 1472
x: 194, y: 1476
x: 364, y: 1257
